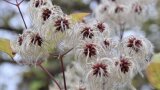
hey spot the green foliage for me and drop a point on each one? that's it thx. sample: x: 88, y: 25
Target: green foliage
x: 36, y: 85
x: 77, y: 17
x: 5, y: 47
x: 70, y: 6
x: 153, y: 72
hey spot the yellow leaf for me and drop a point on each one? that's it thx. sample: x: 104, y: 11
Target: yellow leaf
x: 153, y: 72
x: 5, y: 47
x: 77, y: 17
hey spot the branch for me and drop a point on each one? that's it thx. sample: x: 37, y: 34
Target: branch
x: 50, y: 75
x: 62, y: 66
x: 7, y: 61
x: 11, y: 29
x: 9, y: 2
x: 19, y: 9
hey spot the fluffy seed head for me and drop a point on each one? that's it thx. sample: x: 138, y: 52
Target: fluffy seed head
x: 119, y: 9
x: 38, y: 3
x: 124, y: 65
x: 106, y: 43
x: 134, y: 43
x: 90, y: 50
x: 20, y: 40
x: 137, y: 8
x: 36, y: 40
x: 87, y: 32
x: 61, y: 24
x: 100, y: 69
x: 101, y: 27
x: 46, y: 14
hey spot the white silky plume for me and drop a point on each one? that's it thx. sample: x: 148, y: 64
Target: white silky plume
x: 142, y: 56
x: 49, y: 27
x: 34, y: 8
x: 103, y: 61
x: 31, y: 47
x: 124, y: 12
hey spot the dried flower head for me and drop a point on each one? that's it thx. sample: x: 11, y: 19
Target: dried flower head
x: 90, y: 50
x: 101, y: 27
x: 100, y: 69
x: 119, y: 9
x: 137, y: 8
x: 124, y: 65
x: 37, y: 40
x: 46, y: 14
x: 61, y: 24
x: 87, y: 32
x: 30, y: 46
x: 106, y: 43
x: 38, y: 3
x: 134, y: 43
x: 20, y: 40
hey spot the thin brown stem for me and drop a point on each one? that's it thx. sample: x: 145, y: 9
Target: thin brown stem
x: 50, y: 75
x: 21, y: 1
x: 67, y: 52
x: 62, y: 67
x: 10, y: 2
x: 17, y: 1
x: 19, y: 9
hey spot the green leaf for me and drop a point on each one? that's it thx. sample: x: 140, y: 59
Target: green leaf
x: 153, y: 72
x: 5, y: 47
x: 36, y: 85
x: 78, y: 17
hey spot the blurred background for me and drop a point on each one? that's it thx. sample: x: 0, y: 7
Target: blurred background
x: 19, y: 77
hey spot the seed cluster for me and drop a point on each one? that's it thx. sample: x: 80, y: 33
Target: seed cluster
x: 124, y: 65
x: 62, y: 24
x: 101, y: 27
x: 100, y: 69
x: 37, y: 40
x: 90, y: 50
x: 46, y: 14
x: 134, y: 43
x: 87, y: 32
